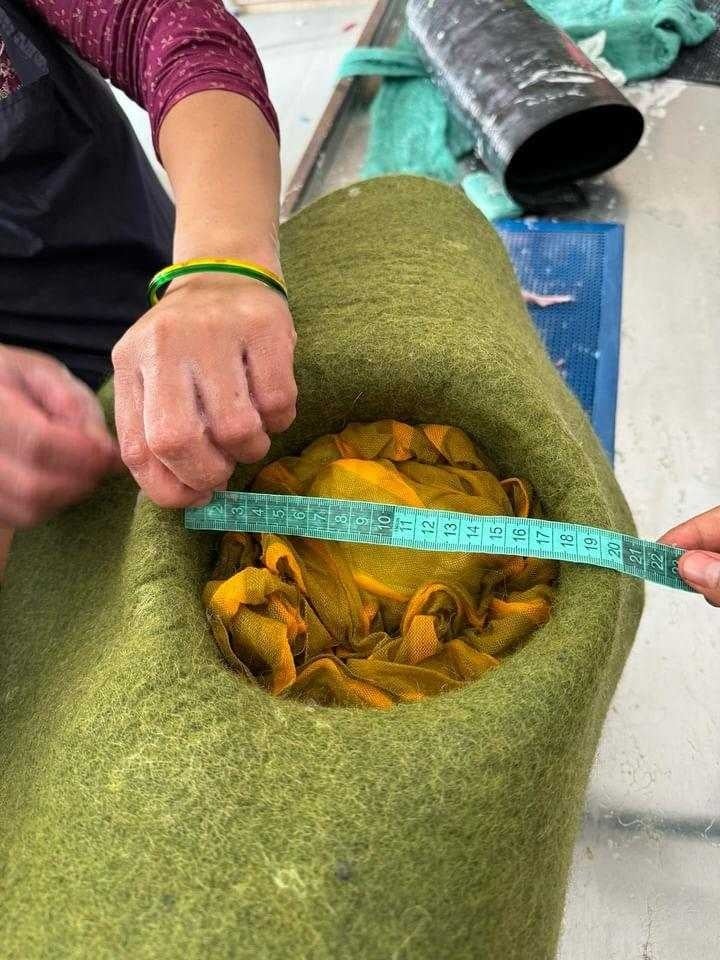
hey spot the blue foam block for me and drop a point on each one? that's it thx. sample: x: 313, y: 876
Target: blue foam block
x: 582, y: 337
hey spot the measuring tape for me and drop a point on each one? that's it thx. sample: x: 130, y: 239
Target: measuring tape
x: 357, y: 521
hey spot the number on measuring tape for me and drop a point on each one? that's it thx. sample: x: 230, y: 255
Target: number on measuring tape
x: 614, y: 550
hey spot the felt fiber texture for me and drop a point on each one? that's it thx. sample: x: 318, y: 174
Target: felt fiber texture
x: 155, y: 806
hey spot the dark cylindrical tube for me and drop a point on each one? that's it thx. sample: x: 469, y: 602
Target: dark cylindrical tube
x: 542, y: 112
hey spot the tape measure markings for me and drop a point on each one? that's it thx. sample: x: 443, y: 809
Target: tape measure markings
x: 357, y: 521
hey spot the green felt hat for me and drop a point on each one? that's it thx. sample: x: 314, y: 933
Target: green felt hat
x: 156, y: 805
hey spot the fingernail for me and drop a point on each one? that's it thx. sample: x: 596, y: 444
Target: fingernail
x: 701, y: 569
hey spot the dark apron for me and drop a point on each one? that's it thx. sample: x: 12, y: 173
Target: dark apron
x: 84, y: 221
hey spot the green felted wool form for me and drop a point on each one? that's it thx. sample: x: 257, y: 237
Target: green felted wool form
x: 155, y: 805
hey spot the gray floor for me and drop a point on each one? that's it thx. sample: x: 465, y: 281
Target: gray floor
x: 646, y: 878
x: 301, y: 51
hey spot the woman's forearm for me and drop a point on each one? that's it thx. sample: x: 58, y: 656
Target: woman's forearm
x: 161, y: 51
x: 206, y: 375
x: 223, y: 161
x: 195, y: 70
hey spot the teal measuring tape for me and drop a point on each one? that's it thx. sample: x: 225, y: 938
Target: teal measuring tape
x: 356, y: 521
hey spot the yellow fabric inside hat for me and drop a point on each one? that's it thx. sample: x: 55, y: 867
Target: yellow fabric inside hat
x: 348, y: 624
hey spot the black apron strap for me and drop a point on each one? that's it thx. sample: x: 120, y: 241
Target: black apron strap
x: 84, y: 221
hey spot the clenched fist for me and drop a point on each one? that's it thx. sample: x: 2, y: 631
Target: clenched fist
x: 201, y: 381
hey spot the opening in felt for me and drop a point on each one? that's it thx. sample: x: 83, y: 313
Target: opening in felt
x: 348, y: 624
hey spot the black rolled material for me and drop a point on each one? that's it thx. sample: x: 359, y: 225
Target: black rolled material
x: 543, y: 114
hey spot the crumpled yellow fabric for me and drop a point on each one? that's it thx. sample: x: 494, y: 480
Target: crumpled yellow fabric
x: 362, y: 625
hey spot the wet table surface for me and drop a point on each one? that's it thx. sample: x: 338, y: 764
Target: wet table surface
x: 645, y: 883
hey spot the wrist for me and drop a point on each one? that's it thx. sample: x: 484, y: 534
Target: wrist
x: 264, y: 251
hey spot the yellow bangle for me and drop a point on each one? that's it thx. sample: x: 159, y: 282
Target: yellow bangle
x: 163, y: 277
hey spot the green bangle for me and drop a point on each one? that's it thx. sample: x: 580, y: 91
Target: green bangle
x: 163, y: 277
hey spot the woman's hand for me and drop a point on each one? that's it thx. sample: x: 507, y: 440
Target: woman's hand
x: 54, y: 445
x: 700, y: 567
x: 201, y: 380
x: 206, y: 375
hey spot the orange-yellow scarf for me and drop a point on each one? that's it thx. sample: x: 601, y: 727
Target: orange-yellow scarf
x: 361, y: 625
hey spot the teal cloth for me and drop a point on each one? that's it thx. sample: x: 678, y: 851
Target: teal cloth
x: 489, y: 195
x: 413, y: 131
x: 390, y: 62
x: 644, y: 37
x: 411, y: 128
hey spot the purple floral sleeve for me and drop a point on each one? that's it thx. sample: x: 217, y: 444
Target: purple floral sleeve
x: 160, y: 51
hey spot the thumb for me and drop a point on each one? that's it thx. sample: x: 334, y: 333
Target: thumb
x: 701, y: 569
x: 66, y: 399
x: 59, y: 392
